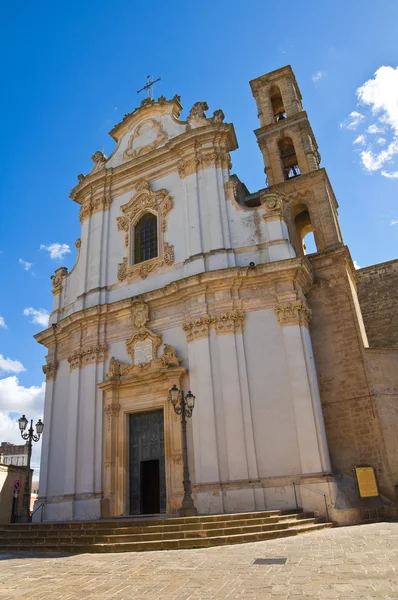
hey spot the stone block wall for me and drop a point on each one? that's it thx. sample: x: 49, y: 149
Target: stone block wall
x: 378, y: 296
x: 354, y: 429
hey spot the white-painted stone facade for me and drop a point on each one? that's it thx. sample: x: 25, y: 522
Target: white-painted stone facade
x: 241, y: 331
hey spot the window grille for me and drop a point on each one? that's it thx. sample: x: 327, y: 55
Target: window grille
x: 145, y: 238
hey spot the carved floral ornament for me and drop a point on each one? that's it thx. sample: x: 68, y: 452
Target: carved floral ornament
x: 87, y: 355
x: 216, y: 158
x: 293, y: 313
x: 145, y: 200
x: 50, y: 370
x: 226, y: 322
x: 143, y: 349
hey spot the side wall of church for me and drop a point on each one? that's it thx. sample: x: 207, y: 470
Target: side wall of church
x: 378, y: 296
x: 350, y: 379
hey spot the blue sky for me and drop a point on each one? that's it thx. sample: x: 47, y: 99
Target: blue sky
x: 71, y: 71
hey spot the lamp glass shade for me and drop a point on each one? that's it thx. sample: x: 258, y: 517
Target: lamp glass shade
x: 39, y: 427
x: 23, y: 421
x: 174, y: 394
x: 190, y: 399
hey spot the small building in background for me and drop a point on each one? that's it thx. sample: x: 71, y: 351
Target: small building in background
x: 13, y: 454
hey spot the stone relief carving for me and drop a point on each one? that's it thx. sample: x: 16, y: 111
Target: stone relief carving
x: 111, y: 411
x: 143, y: 347
x: 57, y: 279
x: 145, y: 200
x: 293, y: 313
x: 87, y: 355
x: 226, y: 322
x: 152, y: 131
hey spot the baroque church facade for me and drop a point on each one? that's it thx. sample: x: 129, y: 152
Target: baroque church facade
x: 184, y: 277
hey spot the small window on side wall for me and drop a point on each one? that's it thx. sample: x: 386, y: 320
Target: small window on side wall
x: 145, y: 239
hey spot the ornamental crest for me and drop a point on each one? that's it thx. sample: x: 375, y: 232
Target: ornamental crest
x: 143, y: 349
x: 147, y: 136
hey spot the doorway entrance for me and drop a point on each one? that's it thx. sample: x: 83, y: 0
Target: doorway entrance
x: 147, y: 463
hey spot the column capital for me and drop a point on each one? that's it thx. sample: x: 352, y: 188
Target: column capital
x: 293, y: 313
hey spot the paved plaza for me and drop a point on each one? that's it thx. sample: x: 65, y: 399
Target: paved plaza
x: 352, y: 562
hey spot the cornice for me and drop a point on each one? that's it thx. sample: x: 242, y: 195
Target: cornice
x: 158, y: 162
x: 276, y: 128
x: 258, y: 278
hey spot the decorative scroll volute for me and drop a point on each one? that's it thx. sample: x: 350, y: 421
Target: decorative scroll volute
x: 57, y: 279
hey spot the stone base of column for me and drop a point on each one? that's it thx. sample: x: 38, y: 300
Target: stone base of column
x: 188, y: 508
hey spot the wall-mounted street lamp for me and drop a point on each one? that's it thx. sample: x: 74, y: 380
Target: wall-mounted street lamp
x: 183, y: 405
x: 30, y: 436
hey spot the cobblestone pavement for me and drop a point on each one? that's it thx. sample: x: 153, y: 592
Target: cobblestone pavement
x: 351, y: 562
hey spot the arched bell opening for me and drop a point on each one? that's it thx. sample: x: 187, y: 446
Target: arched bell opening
x: 304, y: 230
x: 278, y: 108
x: 288, y: 158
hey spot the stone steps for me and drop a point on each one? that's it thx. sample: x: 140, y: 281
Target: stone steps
x: 136, y: 527
x: 133, y: 536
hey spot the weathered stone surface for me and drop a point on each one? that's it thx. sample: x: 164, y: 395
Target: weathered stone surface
x: 354, y: 562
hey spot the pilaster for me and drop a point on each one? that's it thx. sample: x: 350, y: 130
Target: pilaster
x: 294, y: 317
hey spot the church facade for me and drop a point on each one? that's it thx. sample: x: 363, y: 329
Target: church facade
x: 184, y: 277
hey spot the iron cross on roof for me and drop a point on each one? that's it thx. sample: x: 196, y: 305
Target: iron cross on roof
x: 149, y: 86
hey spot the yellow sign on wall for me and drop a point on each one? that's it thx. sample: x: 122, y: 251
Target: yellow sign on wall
x: 367, y: 483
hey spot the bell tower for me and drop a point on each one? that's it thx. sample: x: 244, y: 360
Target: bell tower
x: 292, y: 160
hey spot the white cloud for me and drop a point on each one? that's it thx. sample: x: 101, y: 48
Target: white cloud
x: 26, y: 265
x: 3, y: 323
x: 393, y: 222
x: 353, y: 120
x: 15, y: 400
x: 361, y: 139
x: 392, y: 175
x: 381, y: 94
x: 375, y: 129
x: 356, y: 265
x: 378, y: 95
x: 374, y: 162
x: 56, y: 250
x: 318, y: 76
x: 40, y: 316
x: 8, y: 365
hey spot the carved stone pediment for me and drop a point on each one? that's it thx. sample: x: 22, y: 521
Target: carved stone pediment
x: 143, y: 349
